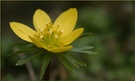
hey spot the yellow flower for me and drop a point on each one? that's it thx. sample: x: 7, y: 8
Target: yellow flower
x: 54, y: 37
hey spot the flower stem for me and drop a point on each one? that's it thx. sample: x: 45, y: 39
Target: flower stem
x: 29, y: 68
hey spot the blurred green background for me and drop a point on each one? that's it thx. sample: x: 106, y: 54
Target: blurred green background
x: 112, y: 25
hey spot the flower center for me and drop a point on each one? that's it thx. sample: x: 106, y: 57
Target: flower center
x: 49, y: 35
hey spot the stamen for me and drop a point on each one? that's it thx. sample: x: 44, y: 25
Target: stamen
x: 41, y: 36
x: 41, y: 30
x: 56, y: 36
x: 50, y: 32
x: 57, y: 27
x: 48, y: 24
x: 61, y: 31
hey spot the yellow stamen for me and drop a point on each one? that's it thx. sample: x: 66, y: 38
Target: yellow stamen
x: 61, y: 31
x: 50, y: 32
x: 56, y: 36
x: 41, y: 36
x: 41, y: 30
x: 57, y: 27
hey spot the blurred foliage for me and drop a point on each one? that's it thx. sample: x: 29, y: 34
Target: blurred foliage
x: 112, y: 25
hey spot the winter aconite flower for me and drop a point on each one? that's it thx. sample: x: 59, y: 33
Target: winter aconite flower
x: 51, y: 39
x: 54, y: 37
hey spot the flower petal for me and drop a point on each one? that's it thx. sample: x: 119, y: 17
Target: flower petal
x: 22, y: 30
x: 40, y: 19
x: 66, y: 21
x: 71, y: 37
x: 60, y: 49
x: 36, y: 42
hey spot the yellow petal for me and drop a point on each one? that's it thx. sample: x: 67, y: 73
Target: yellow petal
x: 22, y: 30
x: 60, y: 49
x: 72, y: 36
x: 67, y: 21
x: 36, y: 42
x: 40, y: 19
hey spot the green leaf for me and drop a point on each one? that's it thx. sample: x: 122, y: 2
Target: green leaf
x: 83, y: 49
x: 84, y: 35
x: 86, y: 52
x: 21, y: 51
x: 44, y: 63
x: 24, y: 60
x: 20, y: 44
x: 71, y: 60
x: 75, y: 61
x: 66, y: 63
